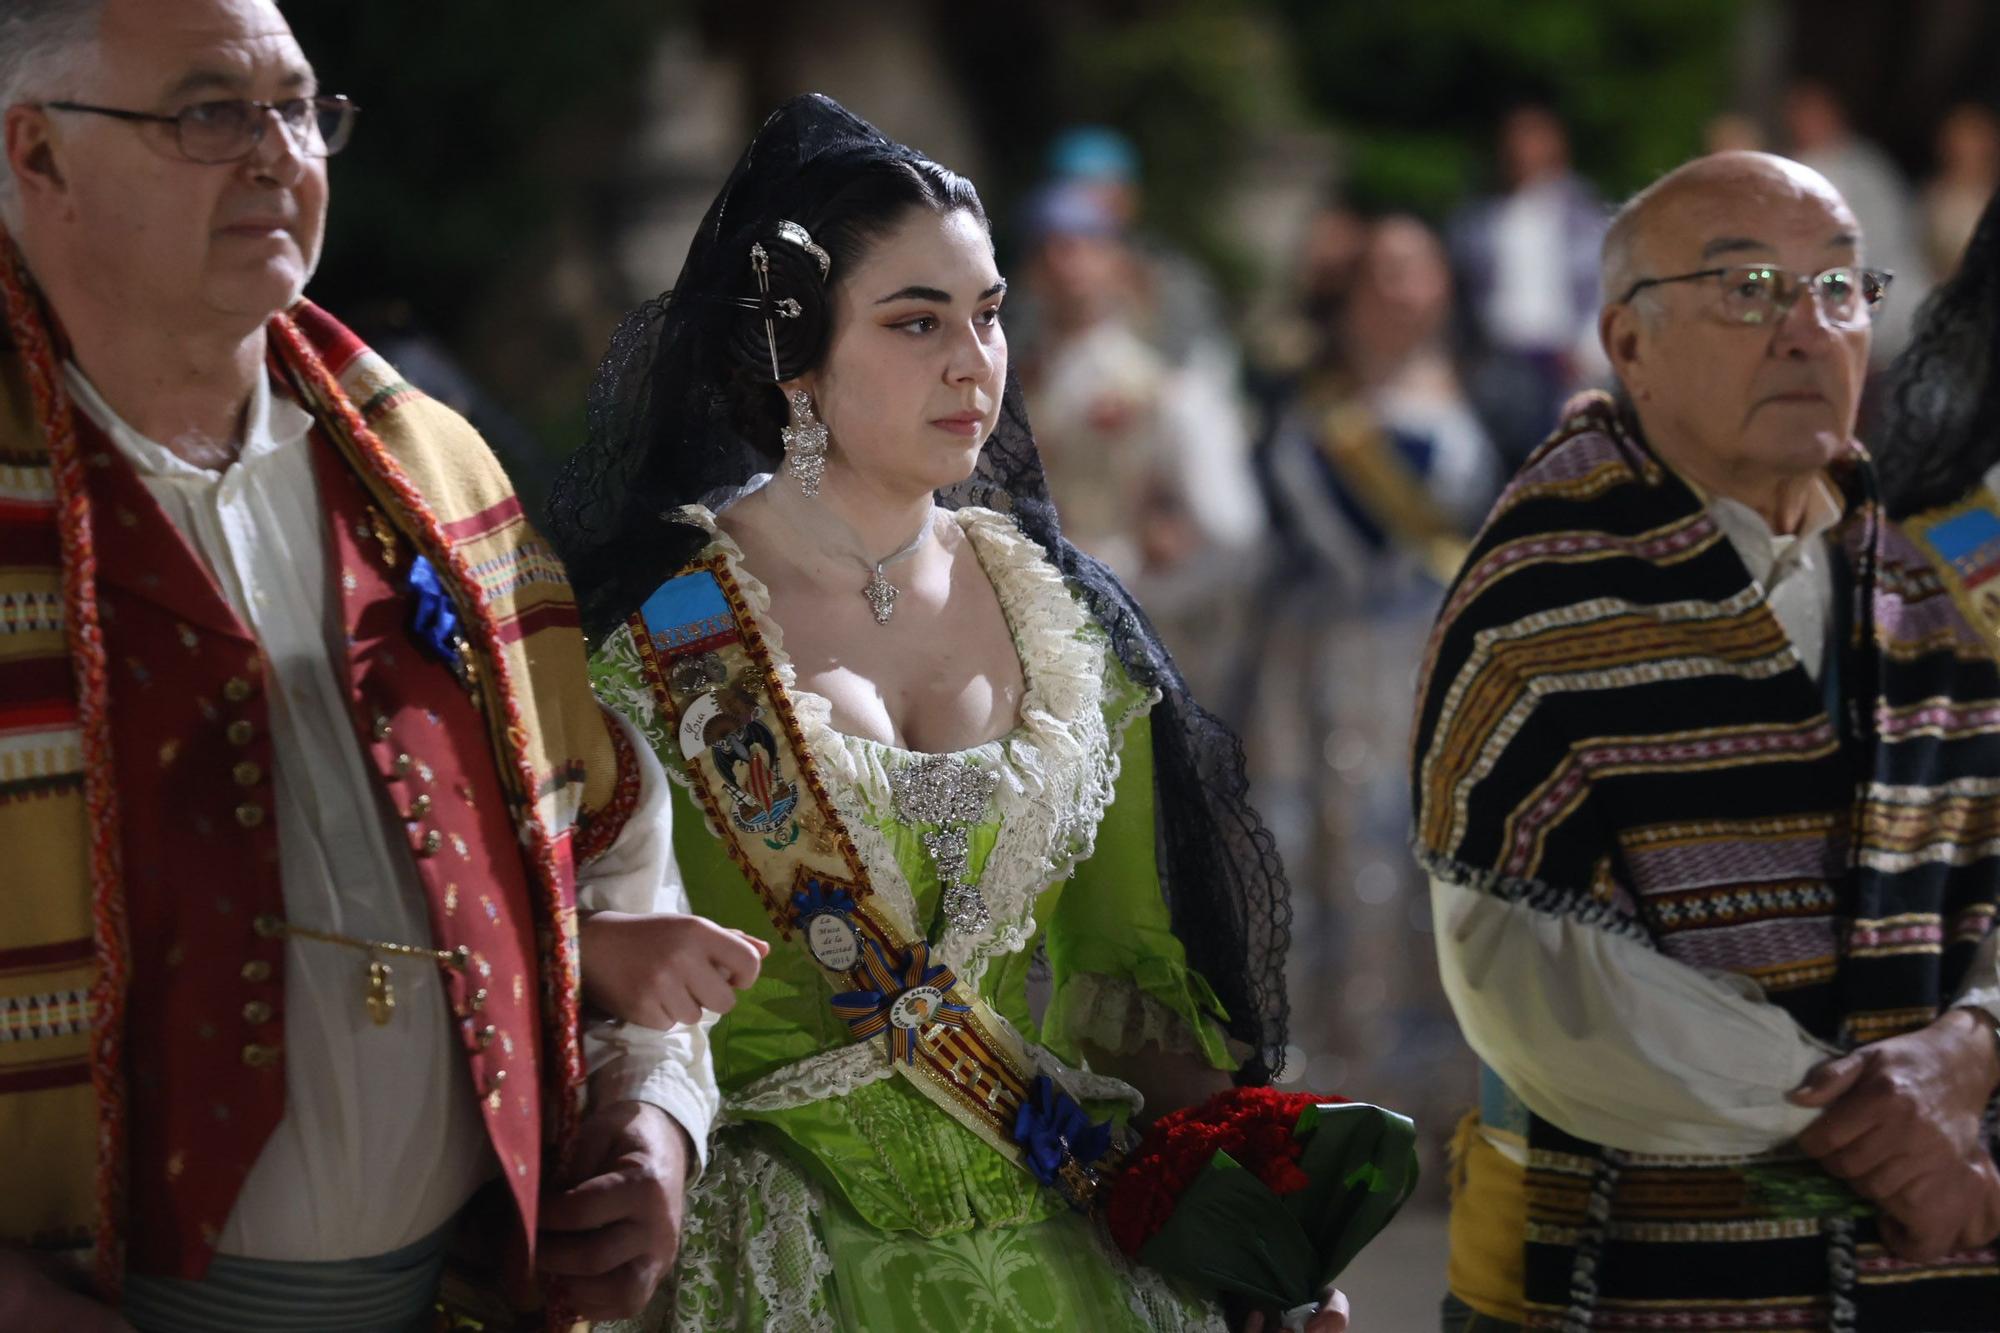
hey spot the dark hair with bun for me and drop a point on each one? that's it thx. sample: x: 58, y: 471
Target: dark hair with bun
x: 684, y: 406
x: 845, y: 216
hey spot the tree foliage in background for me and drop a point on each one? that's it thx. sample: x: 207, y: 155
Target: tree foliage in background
x: 1193, y: 83
x: 482, y: 124
x: 1414, y: 90
x: 1418, y: 86
x: 494, y: 134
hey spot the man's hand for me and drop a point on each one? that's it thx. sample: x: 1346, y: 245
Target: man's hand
x: 1955, y: 1210
x: 32, y: 1295
x: 663, y: 968
x: 1331, y: 1317
x: 1902, y: 1121
x: 615, y: 1234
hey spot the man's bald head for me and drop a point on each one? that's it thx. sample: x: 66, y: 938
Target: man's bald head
x: 1746, y: 381
x: 1698, y: 199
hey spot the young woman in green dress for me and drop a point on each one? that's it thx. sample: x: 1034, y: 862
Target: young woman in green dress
x: 939, y: 686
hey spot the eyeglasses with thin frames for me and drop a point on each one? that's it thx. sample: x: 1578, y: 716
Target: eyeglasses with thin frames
x: 230, y: 129
x: 1761, y: 294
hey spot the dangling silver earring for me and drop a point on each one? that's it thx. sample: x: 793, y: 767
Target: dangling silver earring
x: 805, y: 445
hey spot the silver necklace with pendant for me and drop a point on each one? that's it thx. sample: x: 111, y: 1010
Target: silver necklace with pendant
x: 881, y: 593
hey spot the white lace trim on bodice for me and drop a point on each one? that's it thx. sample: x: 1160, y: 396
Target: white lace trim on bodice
x: 1058, y: 769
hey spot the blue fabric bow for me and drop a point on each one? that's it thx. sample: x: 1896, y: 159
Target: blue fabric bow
x: 433, y: 619
x: 818, y: 896
x: 1051, y: 1127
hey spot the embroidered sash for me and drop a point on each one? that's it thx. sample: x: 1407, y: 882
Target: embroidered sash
x: 1962, y: 541
x: 1383, y: 483
x: 749, y: 766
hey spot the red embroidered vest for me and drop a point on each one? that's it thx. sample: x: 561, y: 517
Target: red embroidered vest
x: 193, y: 760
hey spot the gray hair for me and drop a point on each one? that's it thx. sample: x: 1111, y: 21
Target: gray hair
x: 1618, y: 266
x: 44, y: 46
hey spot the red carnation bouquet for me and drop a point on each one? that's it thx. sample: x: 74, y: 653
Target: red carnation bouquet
x: 1261, y: 1194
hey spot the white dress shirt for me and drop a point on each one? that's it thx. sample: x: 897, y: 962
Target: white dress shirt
x: 1530, y: 306
x: 1617, y: 1043
x: 381, y: 1139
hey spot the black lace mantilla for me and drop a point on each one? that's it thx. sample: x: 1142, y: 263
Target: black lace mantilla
x: 1941, y: 423
x: 662, y: 433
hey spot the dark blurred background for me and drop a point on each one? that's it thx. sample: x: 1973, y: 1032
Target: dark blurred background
x: 1297, y: 283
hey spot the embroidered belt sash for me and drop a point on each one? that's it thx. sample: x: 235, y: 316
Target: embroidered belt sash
x: 749, y: 766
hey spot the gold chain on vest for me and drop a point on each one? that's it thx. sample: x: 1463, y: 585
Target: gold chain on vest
x: 381, y: 993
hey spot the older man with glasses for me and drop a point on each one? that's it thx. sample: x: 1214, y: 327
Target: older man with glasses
x: 1708, y: 781
x: 301, y: 779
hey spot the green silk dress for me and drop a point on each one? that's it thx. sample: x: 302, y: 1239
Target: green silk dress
x: 837, y: 1197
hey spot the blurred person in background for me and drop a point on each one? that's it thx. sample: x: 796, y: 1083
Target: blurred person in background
x: 1148, y: 460
x: 1819, y: 134
x: 1733, y: 131
x: 1526, y: 264
x: 1174, y: 301
x: 1968, y: 172
x: 1378, y: 472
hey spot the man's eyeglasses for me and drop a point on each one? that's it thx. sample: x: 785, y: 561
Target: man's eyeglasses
x: 230, y: 130
x: 1761, y: 294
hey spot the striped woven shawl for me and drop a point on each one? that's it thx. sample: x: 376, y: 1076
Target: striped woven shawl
x: 1614, y: 728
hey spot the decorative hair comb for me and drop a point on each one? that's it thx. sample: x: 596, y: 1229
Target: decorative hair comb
x: 800, y: 237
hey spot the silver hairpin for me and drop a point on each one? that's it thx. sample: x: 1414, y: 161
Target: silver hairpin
x: 760, y: 263
x: 800, y: 237
x: 785, y: 309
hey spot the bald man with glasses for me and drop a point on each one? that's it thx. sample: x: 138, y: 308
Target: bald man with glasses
x: 1708, y: 781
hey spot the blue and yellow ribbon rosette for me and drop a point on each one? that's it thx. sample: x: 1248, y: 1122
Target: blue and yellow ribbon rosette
x: 904, y: 996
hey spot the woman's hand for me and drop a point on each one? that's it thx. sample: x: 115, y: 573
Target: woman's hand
x: 1331, y: 1317
x: 660, y: 969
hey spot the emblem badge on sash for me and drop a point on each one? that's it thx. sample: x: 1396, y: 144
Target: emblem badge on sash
x: 825, y: 911
x: 727, y: 721
x: 1963, y: 541
x: 833, y: 942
